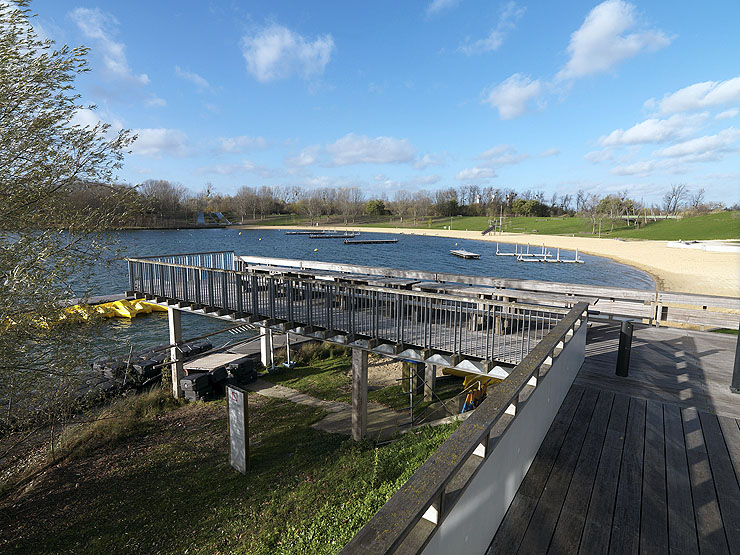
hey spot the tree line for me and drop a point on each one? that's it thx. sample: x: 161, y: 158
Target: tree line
x: 164, y: 202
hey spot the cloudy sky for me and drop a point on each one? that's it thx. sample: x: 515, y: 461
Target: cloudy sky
x: 394, y: 95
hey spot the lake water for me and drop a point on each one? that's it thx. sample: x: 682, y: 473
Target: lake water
x: 411, y: 252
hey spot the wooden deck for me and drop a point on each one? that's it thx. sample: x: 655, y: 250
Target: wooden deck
x: 645, y: 464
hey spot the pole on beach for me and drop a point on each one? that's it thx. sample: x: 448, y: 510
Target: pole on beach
x: 735, y: 386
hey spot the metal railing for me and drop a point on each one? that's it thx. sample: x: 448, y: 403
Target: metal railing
x: 467, y: 326
x: 661, y: 308
x: 418, y: 508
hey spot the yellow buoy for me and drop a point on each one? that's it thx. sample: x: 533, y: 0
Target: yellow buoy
x: 240, y: 233
x: 260, y: 238
x: 316, y: 250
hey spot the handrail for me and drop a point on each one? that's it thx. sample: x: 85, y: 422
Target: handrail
x: 387, y: 529
x: 369, y: 288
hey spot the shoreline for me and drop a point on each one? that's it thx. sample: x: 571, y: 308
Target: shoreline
x: 680, y: 270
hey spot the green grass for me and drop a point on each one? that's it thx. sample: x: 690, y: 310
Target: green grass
x: 323, y: 371
x: 720, y: 225
x: 172, y: 490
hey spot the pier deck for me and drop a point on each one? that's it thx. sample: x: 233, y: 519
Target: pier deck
x: 649, y: 463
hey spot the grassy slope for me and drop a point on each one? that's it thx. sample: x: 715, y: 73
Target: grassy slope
x: 172, y: 490
x: 328, y: 378
x: 721, y: 225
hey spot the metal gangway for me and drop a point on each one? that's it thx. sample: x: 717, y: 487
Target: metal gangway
x: 444, y: 326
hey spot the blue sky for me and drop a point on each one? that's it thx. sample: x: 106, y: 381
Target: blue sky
x: 553, y: 96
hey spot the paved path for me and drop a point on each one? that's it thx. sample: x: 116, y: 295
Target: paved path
x: 383, y: 422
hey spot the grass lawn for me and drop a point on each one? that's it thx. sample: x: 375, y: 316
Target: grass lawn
x: 720, y: 225
x: 327, y: 376
x: 166, y: 486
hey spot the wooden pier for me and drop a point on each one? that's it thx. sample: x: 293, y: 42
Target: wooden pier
x: 369, y: 241
x: 462, y: 253
x: 333, y: 235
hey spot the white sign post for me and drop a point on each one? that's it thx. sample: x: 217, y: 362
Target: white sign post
x: 236, y: 401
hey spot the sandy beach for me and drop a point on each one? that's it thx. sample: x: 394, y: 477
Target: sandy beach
x: 685, y: 270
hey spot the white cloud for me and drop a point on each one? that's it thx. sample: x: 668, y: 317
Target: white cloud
x: 99, y: 27
x: 475, y: 174
x: 305, y: 157
x: 655, y: 130
x: 501, y: 155
x: 598, y: 156
x: 727, y: 114
x: 547, y: 153
x: 361, y: 149
x: 155, y: 102
x: 511, y: 96
x: 437, y: 6
x: 510, y: 14
x: 245, y: 166
x: 603, y: 40
x: 429, y: 160
x: 243, y: 143
x: 193, y: 77
x: 275, y: 52
x: 160, y: 141
x: 699, y: 96
x: 708, y: 144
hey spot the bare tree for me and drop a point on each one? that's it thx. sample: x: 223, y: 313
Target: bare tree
x: 697, y: 199
x: 673, y: 199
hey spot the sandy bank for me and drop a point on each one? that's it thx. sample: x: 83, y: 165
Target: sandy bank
x: 686, y: 270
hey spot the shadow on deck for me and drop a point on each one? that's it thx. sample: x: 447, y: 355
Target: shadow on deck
x: 645, y: 464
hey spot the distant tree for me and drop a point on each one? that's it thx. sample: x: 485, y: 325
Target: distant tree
x: 375, y: 207
x: 697, y: 199
x: 673, y: 199
x: 48, y: 243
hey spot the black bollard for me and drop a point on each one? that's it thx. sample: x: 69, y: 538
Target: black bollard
x: 625, y: 346
x: 735, y: 386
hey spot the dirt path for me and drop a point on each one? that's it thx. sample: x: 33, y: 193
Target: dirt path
x: 383, y: 422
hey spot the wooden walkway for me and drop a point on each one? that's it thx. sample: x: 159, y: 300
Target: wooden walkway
x: 649, y: 464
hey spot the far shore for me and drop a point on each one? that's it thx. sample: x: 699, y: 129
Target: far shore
x: 685, y: 270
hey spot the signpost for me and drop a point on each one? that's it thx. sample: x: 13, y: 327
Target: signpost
x: 236, y: 401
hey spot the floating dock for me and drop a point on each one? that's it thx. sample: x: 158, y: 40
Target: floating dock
x: 543, y: 256
x: 462, y: 253
x: 333, y: 235
x: 369, y: 241
x: 303, y: 232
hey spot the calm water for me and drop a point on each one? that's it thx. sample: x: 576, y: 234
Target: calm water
x: 411, y: 252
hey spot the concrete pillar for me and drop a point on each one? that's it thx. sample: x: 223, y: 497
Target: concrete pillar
x: 359, y: 394
x: 175, y: 352
x: 266, y: 345
x: 430, y: 381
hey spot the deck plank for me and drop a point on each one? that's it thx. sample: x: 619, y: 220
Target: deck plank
x: 731, y: 431
x: 654, y: 514
x: 681, y: 522
x: 545, y: 517
x: 728, y: 491
x: 567, y: 535
x: 597, y: 528
x: 706, y: 508
x: 512, y: 529
x: 626, y: 525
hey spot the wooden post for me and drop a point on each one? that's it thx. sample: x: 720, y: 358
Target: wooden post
x: 175, y: 352
x: 430, y: 381
x: 735, y: 385
x: 266, y: 345
x: 359, y: 394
